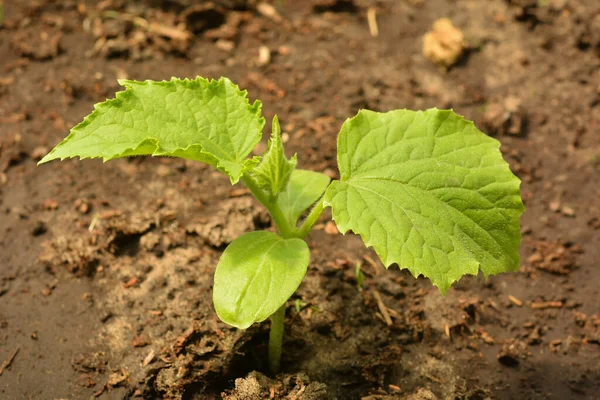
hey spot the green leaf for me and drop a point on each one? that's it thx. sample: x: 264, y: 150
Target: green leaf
x: 256, y: 275
x: 273, y: 173
x: 428, y: 191
x: 304, y: 188
x: 208, y: 121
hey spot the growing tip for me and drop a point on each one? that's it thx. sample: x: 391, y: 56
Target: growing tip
x: 275, y: 127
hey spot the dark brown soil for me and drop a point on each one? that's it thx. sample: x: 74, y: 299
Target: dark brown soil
x: 106, y: 269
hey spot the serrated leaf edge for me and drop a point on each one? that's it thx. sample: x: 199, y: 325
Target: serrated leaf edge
x: 128, y: 84
x: 388, y: 263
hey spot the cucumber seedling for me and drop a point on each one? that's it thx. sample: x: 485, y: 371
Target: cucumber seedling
x: 426, y: 189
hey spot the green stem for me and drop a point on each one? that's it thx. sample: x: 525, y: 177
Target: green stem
x: 281, y: 222
x: 310, y: 220
x: 287, y: 231
x: 276, y: 339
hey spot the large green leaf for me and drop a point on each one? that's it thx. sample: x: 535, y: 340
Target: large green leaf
x: 273, y: 173
x: 303, y: 190
x: 428, y: 191
x: 208, y: 121
x: 256, y: 275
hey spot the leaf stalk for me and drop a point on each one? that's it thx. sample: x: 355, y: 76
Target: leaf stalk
x: 311, y: 220
x: 281, y: 222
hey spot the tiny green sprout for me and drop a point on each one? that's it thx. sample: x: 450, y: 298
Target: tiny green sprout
x: 299, y: 305
x: 426, y: 189
x: 360, y: 276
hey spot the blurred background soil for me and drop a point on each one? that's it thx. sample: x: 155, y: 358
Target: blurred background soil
x: 106, y: 269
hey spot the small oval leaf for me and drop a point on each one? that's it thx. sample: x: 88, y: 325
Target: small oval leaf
x: 256, y: 275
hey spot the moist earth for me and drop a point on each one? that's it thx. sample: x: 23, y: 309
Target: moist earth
x: 106, y: 269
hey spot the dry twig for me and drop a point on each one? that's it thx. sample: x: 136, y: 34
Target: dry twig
x: 382, y: 308
x: 542, y: 305
x: 8, y: 362
x: 372, y: 20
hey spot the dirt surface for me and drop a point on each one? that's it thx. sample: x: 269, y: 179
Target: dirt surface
x: 106, y: 269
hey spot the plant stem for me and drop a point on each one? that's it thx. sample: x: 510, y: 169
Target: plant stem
x: 281, y: 222
x: 276, y: 339
x: 310, y: 220
x: 278, y: 318
x: 287, y: 231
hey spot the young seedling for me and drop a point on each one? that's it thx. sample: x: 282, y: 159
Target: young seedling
x: 360, y: 276
x: 426, y: 189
